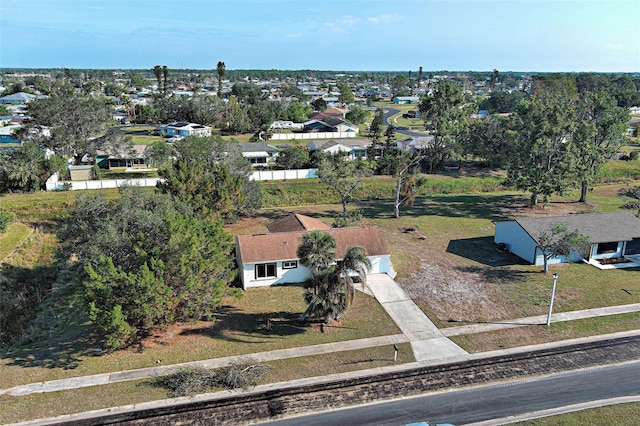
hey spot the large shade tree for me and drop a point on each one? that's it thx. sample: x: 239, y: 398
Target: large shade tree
x: 331, y: 289
x: 600, y: 132
x: 343, y: 176
x: 145, y: 260
x: 212, y: 176
x: 76, y: 122
x: 540, y: 161
x: 446, y: 111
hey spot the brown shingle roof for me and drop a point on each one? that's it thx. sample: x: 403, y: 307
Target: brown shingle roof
x: 284, y: 245
x: 297, y: 222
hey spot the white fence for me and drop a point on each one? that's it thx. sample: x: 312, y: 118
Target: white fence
x: 54, y: 184
x: 313, y: 135
x: 284, y: 174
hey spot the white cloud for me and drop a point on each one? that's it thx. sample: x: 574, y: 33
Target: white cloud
x: 383, y: 18
x: 341, y: 25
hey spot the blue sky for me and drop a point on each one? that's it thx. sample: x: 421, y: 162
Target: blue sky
x: 369, y: 35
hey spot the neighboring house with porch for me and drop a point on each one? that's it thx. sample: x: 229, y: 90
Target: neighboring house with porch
x: 268, y: 259
x: 259, y: 154
x: 614, y: 236
x: 133, y: 159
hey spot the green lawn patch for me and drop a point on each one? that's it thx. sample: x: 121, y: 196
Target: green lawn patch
x: 9, y: 240
x: 557, y: 331
x: 15, y: 409
x: 240, y: 328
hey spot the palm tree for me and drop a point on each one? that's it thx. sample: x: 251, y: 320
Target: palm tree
x: 221, y: 67
x: 331, y: 289
x: 317, y: 251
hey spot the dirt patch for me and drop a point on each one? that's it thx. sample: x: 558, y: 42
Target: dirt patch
x: 164, y: 336
x: 453, y: 294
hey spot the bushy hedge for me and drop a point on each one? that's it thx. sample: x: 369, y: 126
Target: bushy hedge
x: 5, y: 220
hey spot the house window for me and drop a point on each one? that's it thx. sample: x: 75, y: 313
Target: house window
x: 265, y: 270
x: 607, y: 248
x: 290, y: 264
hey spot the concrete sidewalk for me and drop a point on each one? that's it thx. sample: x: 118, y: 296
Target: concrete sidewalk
x: 429, y: 344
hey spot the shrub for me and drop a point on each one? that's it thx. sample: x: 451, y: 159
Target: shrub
x: 5, y: 220
x: 194, y: 380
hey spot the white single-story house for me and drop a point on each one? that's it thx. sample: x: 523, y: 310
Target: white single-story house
x: 268, y: 259
x: 186, y: 129
x: 613, y: 235
x: 356, y: 148
x: 259, y: 154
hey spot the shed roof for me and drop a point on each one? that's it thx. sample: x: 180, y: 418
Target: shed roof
x: 284, y: 245
x: 599, y: 227
x: 297, y: 222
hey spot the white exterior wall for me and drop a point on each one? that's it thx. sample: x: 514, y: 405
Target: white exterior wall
x: 379, y: 265
x: 284, y: 276
x: 520, y: 243
x: 517, y: 240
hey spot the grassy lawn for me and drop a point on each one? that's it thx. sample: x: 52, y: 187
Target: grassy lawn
x: 447, y: 264
x: 14, y: 409
x: 120, y: 173
x: 240, y: 328
x: 619, y: 415
x: 16, y: 233
x: 557, y: 331
x: 145, y: 139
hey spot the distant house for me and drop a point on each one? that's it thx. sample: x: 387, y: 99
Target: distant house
x: 340, y: 125
x: 19, y: 98
x: 186, y: 129
x: 280, y: 125
x: 133, y: 159
x: 614, y: 235
x: 259, y: 154
x: 332, y: 112
x: 355, y: 148
x: 331, y: 125
x: 7, y: 133
x: 406, y: 100
x: 415, y: 143
x: 268, y: 259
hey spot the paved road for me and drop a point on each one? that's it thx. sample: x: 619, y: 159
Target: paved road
x: 488, y: 403
x: 388, y: 113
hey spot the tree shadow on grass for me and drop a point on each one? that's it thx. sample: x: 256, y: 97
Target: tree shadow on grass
x: 483, y: 250
x: 235, y: 325
x: 497, y: 274
x: 65, y: 352
x: 43, y: 326
x: 479, y: 206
